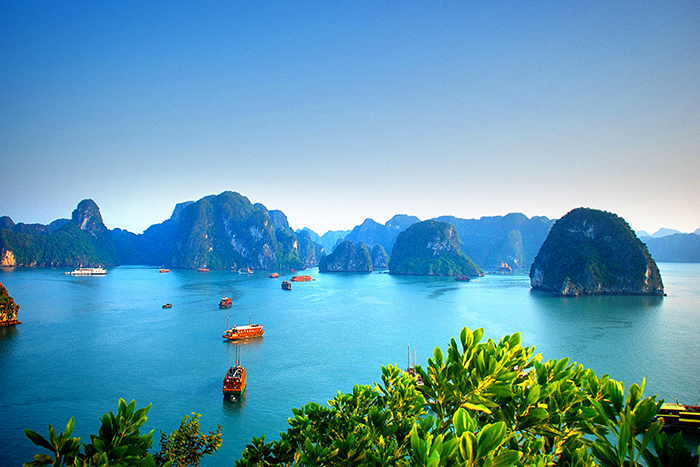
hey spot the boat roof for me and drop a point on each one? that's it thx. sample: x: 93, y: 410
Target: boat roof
x: 672, y: 406
x: 245, y: 326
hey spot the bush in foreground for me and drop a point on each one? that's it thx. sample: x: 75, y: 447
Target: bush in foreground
x: 482, y: 404
x: 119, y: 442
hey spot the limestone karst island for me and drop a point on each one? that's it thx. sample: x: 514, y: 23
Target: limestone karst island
x: 591, y: 252
x: 586, y: 252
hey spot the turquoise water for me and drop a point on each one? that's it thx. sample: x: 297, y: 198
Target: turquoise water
x: 87, y: 341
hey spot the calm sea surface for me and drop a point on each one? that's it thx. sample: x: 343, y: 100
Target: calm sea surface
x: 88, y: 341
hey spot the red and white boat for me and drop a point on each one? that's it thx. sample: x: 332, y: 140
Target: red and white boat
x: 246, y: 331
x: 235, y: 379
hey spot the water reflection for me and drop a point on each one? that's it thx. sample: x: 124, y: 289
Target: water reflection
x: 235, y: 406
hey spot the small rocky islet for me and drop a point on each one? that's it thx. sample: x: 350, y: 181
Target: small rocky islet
x: 8, y: 308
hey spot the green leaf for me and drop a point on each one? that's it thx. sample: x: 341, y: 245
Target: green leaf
x: 37, y: 439
x: 506, y: 458
x: 490, y: 437
x: 467, y: 446
x: 623, y: 439
x: 605, y: 454
x: 616, y: 393
x: 476, y: 407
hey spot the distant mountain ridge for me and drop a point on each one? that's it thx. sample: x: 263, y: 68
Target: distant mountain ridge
x: 83, y: 240
x: 676, y: 248
x: 228, y: 231
x: 373, y: 233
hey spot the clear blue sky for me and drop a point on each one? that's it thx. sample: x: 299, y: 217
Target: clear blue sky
x: 334, y: 112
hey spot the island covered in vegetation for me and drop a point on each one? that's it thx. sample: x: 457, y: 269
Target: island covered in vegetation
x: 8, y: 308
x: 592, y: 252
x: 430, y: 248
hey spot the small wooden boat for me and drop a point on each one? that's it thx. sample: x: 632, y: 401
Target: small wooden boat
x: 286, y: 285
x: 274, y: 275
x: 164, y: 270
x: 680, y: 417
x: 168, y: 305
x: 235, y: 379
x: 246, y: 331
x: 462, y: 278
x: 203, y: 269
x: 505, y: 268
x: 300, y: 278
x: 411, y: 368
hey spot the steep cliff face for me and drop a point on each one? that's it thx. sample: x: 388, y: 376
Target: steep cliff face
x: 592, y: 252
x: 8, y: 308
x: 347, y: 257
x: 430, y: 248
x: 88, y: 218
x: 227, y: 231
x: 380, y: 260
x: 310, y: 252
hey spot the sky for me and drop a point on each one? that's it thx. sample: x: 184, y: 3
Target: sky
x: 334, y: 112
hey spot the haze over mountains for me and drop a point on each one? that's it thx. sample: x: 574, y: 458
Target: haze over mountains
x: 228, y: 231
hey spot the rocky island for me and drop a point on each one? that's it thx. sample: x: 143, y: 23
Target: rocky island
x: 592, y: 252
x: 347, y: 257
x: 8, y: 308
x: 430, y: 248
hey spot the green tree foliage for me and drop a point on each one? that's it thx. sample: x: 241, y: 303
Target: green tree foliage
x: 186, y: 446
x: 119, y: 442
x: 479, y: 404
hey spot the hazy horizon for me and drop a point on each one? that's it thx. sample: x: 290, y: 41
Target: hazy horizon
x: 334, y: 113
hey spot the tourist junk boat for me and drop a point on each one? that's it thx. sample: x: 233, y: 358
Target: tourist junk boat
x: 225, y: 302
x: 286, y: 285
x: 245, y: 271
x: 163, y: 270
x: 300, y: 278
x: 88, y: 272
x: 246, y: 331
x: 274, y: 275
x: 462, y: 278
x: 235, y: 379
x: 680, y: 417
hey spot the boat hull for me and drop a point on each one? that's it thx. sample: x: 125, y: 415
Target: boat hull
x: 680, y: 417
